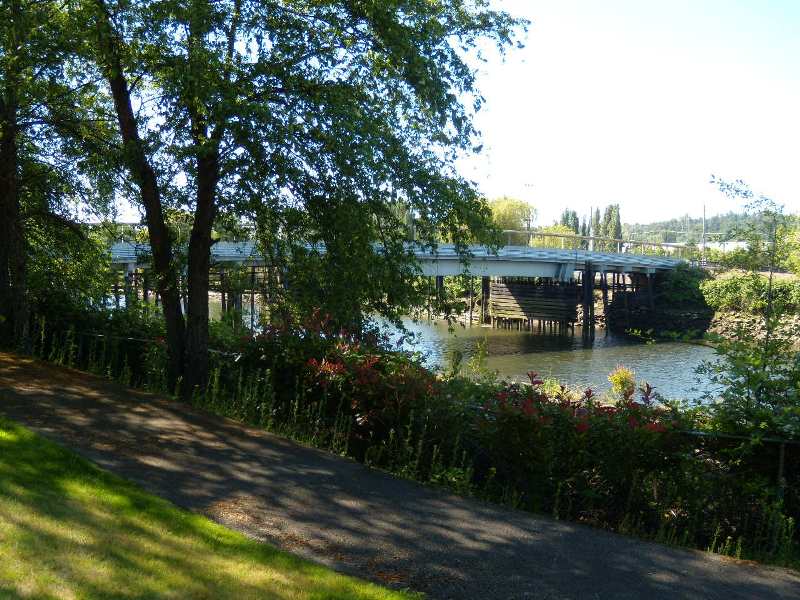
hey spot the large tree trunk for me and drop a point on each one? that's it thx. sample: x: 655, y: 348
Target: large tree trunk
x: 139, y: 166
x: 207, y: 176
x: 198, y: 267
x: 13, y: 253
x: 8, y: 215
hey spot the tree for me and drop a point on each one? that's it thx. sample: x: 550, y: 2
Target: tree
x: 759, y: 371
x: 615, y: 231
x: 595, y: 228
x: 556, y: 242
x: 512, y: 214
x: 111, y: 53
x: 312, y: 119
x: 569, y: 218
x: 49, y: 151
x: 792, y: 236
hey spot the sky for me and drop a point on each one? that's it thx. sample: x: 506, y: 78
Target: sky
x: 639, y: 102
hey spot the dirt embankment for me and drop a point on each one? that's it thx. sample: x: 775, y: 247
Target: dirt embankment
x: 733, y: 324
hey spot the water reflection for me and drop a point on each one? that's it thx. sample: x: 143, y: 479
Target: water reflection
x: 669, y: 366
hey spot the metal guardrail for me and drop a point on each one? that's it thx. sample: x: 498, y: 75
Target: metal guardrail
x: 621, y: 246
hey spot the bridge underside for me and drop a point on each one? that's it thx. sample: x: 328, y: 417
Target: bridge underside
x: 521, y: 301
x: 558, y: 280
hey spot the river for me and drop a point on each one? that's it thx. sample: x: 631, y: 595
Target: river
x: 668, y: 366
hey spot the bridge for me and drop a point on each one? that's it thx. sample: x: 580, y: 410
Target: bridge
x: 558, y: 280
x: 510, y: 261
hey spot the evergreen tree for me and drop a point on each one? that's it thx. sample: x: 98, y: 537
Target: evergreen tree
x: 594, y: 229
x: 569, y: 218
x: 616, y: 223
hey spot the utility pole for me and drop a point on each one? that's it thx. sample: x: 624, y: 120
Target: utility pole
x: 703, y: 246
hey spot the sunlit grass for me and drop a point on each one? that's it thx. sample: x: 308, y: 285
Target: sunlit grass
x: 71, y: 530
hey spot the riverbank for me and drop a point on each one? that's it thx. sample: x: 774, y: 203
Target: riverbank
x: 618, y: 460
x: 732, y: 324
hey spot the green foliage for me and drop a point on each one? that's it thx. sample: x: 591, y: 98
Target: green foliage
x: 569, y: 219
x: 623, y: 382
x: 758, y: 367
x: 49, y: 153
x: 68, y: 268
x: 748, y: 293
x: 555, y: 242
x: 683, y: 287
x: 792, y: 240
x: 326, y: 123
x: 720, y: 227
x: 512, y: 214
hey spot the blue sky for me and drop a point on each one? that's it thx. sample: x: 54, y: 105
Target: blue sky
x: 639, y: 102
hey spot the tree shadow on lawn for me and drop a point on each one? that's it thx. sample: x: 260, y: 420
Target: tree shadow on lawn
x: 68, y: 529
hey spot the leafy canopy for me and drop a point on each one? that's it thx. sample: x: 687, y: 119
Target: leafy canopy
x: 321, y: 118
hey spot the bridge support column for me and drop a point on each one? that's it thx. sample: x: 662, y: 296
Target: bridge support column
x: 588, y: 302
x: 116, y: 293
x: 145, y: 287
x: 485, y: 292
x: 650, y: 297
x: 604, y: 287
x: 252, y: 298
x: 222, y: 295
x: 471, y: 297
x: 626, y: 300
x: 128, y: 287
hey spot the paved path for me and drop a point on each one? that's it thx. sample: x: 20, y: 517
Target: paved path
x: 360, y: 521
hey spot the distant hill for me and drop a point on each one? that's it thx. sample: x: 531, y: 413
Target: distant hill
x: 685, y: 229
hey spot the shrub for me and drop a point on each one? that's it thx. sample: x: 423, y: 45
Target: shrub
x: 682, y: 287
x: 623, y: 382
x: 627, y: 465
x: 747, y: 292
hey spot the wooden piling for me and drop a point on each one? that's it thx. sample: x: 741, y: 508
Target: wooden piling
x: 252, y: 298
x: 604, y: 288
x: 471, y: 298
x: 587, y: 278
x: 650, y: 296
x: 486, y: 286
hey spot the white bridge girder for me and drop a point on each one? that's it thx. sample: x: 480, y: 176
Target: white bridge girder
x: 510, y: 261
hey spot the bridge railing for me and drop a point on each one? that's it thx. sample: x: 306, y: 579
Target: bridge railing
x: 542, y: 239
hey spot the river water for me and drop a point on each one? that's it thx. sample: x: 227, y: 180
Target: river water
x: 668, y: 366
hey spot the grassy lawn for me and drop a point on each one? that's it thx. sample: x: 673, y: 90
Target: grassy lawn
x: 71, y: 530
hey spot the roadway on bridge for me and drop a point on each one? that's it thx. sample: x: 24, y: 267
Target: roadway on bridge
x: 509, y: 261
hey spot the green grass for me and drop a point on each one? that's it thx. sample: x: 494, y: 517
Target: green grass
x: 71, y: 530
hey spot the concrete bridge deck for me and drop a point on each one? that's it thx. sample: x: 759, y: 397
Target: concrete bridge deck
x: 509, y: 261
